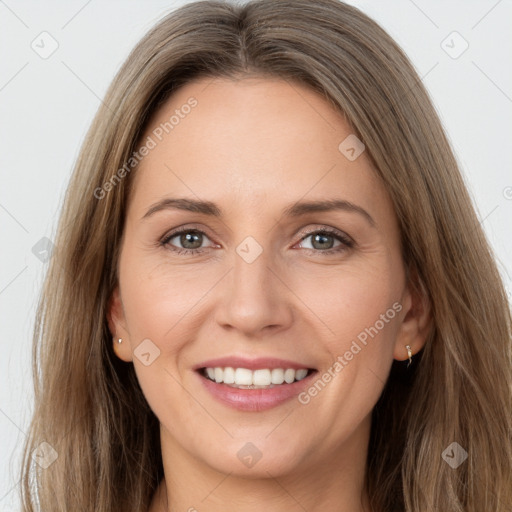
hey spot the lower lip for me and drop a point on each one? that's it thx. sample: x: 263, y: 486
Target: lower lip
x: 255, y: 400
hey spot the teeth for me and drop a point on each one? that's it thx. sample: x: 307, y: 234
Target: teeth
x: 242, y: 377
x: 300, y: 374
x: 277, y: 376
x: 261, y: 378
x: 229, y: 376
x: 289, y: 376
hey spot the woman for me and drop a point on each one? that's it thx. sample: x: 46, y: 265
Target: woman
x: 271, y: 290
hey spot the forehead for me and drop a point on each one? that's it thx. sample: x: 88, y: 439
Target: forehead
x: 251, y: 140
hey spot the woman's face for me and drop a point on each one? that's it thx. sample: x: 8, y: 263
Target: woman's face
x: 272, y: 280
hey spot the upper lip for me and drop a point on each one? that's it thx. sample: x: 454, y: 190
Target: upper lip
x: 251, y: 364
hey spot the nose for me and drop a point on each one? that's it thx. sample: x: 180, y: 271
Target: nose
x: 254, y: 298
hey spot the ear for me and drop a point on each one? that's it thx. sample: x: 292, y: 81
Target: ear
x: 117, y: 325
x: 416, y: 319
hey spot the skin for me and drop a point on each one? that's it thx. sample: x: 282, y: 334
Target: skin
x: 255, y: 146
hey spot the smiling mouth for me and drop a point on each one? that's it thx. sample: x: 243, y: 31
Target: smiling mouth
x: 265, y: 378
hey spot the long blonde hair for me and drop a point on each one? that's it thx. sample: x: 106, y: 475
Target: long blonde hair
x: 88, y: 404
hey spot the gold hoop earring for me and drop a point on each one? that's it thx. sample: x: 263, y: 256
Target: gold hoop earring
x: 409, y: 354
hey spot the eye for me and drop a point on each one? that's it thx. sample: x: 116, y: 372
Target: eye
x: 191, y: 241
x: 323, y: 241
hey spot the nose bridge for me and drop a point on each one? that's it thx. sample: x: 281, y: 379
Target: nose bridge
x: 254, y: 298
x: 252, y: 274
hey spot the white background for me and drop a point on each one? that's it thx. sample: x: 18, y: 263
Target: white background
x: 46, y: 106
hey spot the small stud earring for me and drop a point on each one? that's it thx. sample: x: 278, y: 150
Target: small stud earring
x: 119, y: 340
x: 409, y: 354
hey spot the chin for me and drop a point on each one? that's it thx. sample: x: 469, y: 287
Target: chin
x: 255, y: 459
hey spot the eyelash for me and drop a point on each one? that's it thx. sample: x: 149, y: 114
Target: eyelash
x: 346, y: 242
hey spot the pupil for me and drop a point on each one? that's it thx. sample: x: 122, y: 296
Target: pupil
x: 322, y: 238
x: 189, y: 238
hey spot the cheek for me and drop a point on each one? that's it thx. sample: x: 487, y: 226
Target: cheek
x: 357, y: 317
x: 165, y: 304
x: 159, y: 306
x: 159, y: 298
x: 352, y: 302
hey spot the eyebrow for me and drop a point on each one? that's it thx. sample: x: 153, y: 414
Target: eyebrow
x: 295, y: 210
